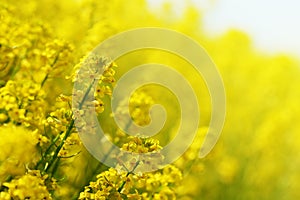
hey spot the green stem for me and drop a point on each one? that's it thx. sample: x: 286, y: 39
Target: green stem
x: 56, y: 164
x: 100, y: 166
x: 68, y: 132
x: 47, y: 151
x: 97, y: 169
x: 128, y: 173
x: 47, y: 75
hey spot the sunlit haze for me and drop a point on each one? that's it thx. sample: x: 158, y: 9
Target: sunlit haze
x: 272, y: 25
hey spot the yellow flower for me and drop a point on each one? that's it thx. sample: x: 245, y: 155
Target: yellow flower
x: 3, y: 118
x: 18, y: 150
x: 28, y: 186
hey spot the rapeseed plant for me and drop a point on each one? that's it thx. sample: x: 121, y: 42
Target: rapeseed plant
x: 45, y: 47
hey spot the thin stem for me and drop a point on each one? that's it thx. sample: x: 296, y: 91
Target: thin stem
x: 55, y: 166
x: 47, y: 75
x: 97, y: 168
x: 51, y: 162
x: 47, y: 150
x: 128, y: 173
x: 68, y: 132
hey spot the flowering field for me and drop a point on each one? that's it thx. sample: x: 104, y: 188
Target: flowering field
x: 43, y: 44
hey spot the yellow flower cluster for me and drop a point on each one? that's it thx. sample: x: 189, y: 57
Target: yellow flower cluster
x: 94, y: 77
x: 141, y: 145
x: 124, y: 183
x: 59, y: 118
x: 139, y: 107
x: 33, y: 62
x: 29, y: 186
x: 28, y: 51
x: 131, y: 150
x: 22, y: 102
x: 13, y: 160
x: 112, y: 184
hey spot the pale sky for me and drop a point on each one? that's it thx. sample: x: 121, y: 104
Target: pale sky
x: 273, y: 25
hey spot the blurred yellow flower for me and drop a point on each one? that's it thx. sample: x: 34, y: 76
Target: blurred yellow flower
x: 18, y: 151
